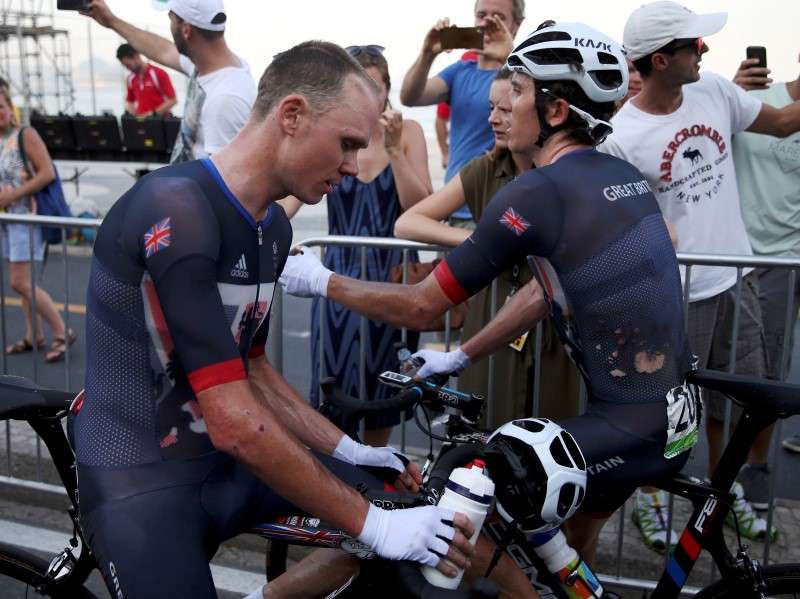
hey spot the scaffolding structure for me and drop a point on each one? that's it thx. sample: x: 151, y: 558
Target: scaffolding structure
x: 35, y: 57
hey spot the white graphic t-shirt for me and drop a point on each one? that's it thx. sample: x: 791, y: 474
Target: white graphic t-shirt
x: 217, y: 106
x: 686, y: 158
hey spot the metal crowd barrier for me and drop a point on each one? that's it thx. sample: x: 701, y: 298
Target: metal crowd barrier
x: 740, y: 263
x: 64, y: 224
x: 276, y: 341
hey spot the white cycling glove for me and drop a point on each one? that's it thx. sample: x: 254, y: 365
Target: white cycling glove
x: 420, y: 534
x: 437, y: 362
x: 357, y: 454
x: 304, y: 275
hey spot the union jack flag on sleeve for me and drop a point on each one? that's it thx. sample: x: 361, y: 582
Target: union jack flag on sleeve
x: 158, y: 237
x: 514, y: 221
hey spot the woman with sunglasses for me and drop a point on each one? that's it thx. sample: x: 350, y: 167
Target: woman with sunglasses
x: 392, y: 177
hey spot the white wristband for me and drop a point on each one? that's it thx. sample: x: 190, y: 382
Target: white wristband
x: 373, y: 527
x: 346, y: 450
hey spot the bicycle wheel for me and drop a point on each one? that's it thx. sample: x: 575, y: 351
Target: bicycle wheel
x: 30, y: 570
x: 783, y: 581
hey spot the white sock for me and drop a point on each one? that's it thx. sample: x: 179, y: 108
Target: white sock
x: 257, y: 594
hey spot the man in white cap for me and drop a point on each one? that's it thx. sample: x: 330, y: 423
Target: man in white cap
x: 221, y: 89
x: 678, y: 131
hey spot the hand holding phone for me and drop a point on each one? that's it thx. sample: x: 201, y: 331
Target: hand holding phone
x: 452, y: 38
x: 753, y: 72
x: 81, y: 5
x: 759, y: 53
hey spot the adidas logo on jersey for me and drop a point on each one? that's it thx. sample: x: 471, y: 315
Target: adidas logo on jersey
x: 240, y: 270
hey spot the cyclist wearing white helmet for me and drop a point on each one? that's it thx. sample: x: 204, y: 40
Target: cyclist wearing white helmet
x: 606, y: 271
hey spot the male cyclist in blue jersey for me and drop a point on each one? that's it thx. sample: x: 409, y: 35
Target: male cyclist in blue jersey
x: 187, y: 436
x: 605, y: 267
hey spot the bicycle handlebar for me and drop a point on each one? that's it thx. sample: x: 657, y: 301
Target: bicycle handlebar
x: 427, y: 391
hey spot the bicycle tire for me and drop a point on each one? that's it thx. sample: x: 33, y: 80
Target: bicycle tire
x: 782, y: 580
x: 30, y: 570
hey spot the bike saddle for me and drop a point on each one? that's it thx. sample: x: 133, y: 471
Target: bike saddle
x: 20, y: 399
x: 781, y: 398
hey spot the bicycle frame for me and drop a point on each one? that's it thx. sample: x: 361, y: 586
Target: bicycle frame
x: 65, y: 569
x: 711, y: 502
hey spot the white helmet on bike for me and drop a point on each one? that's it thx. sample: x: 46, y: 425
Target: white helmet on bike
x: 561, y: 52
x: 539, y: 472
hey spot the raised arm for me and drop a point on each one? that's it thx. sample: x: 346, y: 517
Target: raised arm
x: 153, y: 46
x: 408, y: 155
x: 417, y: 88
x: 518, y: 316
x: 422, y: 222
x: 779, y: 122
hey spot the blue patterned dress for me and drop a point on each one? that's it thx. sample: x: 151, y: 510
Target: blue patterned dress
x: 367, y: 210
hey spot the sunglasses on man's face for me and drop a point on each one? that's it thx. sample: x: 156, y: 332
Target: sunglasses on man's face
x: 697, y: 45
x: 371, y: 49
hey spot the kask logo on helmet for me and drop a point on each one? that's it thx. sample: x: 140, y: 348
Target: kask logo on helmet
x: 581, y: 42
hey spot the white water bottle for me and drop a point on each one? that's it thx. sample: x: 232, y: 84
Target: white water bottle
x: 470, y: 492
x: 563, y: 561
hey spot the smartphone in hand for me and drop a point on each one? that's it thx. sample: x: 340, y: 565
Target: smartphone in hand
x: 72, y: 5
x: 453, y: 38
x: 759, y: 52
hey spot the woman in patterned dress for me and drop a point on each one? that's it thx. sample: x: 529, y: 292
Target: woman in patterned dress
x: 392, y: 176
x: 17, y: 191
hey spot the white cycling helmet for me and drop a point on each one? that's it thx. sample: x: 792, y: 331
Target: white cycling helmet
x: 574, y: 52
x: 539, y: 472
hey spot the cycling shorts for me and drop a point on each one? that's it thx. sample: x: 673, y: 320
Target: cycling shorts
x: 154, y: 528
x: 624, y: 448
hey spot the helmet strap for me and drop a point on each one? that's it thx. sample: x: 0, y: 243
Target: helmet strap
x: 546, y: 131
x: 598, y: 129
x: 502, y: 545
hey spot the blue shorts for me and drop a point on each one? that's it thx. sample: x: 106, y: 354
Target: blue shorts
x: 153, y: 528
x: 17, y: 243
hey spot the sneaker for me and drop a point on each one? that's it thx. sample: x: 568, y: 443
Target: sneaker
x: 755, y: 482
x: 791, y: 443
x: 751, y: 526
x: 651, y: 516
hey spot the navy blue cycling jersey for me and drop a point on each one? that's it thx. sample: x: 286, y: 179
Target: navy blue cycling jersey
x: 181, y: 284
x: 605, y: 261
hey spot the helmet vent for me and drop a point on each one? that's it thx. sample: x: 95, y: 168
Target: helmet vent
x: 552, y: 56
x: 607, y: 79
x: 560, y: 454
x: 566, y: 499
x: 534, y: 426
x: 514, y: 61
x: 574, y: 450
x: 549, y: 36
x: 606, y: 58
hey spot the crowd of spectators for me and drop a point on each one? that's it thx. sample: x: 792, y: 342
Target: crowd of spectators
x: 721, y: 156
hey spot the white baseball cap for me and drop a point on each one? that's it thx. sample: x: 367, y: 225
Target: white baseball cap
x: 652, y: 26
x: 205, y: 14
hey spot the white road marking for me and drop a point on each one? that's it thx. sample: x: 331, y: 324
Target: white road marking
x: 51, y: 541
